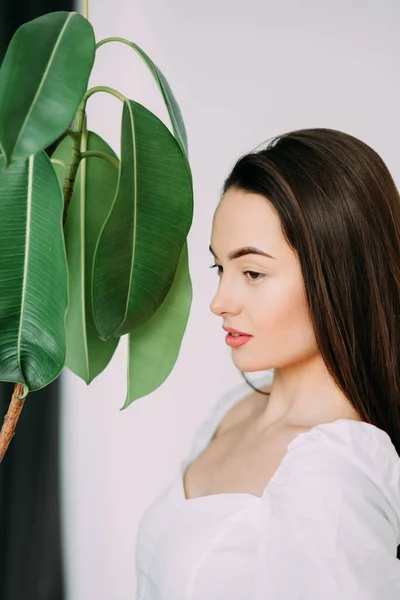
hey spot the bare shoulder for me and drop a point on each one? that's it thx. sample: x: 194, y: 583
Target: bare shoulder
x: 243, y: 410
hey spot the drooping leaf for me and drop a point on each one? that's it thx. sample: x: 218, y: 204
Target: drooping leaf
x: 174, y: 111
x: 173, y: 108
x: 43, y: 78
x: 154, y: 347
x: 33, y: 273
x: 94, y: 190
x: 140, y: 244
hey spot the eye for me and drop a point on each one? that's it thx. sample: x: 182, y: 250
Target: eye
x: 254, y: 276
x: 257, y: 275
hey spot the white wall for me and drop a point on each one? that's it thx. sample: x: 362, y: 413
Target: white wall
x: 242, y: 72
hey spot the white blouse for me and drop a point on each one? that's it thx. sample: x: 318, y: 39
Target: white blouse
x: 326, y: 527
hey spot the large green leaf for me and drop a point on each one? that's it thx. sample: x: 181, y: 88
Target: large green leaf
x: 140, y: 244
x: 174, y: 111
x: 43, y: 78
x: 154, y: 347
x: 94, y: 190
x: 33, y: 273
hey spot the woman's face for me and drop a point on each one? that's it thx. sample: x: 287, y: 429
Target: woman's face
x: 269, y: 302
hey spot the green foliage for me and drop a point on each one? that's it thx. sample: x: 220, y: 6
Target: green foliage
x: 120, y: 263
x: 154, y: 347
x: 139, y: 247
x: 33, y: 273
x: 175, y: 115
x: 96, y: 182
x: 42, y: 80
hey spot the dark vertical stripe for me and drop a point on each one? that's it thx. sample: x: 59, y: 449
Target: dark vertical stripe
x: 30, y: 533
x: 31, y: 550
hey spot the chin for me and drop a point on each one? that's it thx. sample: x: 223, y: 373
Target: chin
x: 246, y: 364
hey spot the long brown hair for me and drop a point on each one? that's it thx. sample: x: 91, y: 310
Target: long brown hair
x: 339, y: 209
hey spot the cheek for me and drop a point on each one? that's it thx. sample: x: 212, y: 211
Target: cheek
x: 283, y: 333
x: 282, y: 324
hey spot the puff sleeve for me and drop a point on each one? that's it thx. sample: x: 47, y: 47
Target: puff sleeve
x: 330, y: 518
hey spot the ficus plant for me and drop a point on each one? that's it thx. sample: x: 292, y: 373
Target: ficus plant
x: 93, y: 246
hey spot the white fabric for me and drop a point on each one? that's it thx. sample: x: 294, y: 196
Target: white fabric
x: 326, y: 527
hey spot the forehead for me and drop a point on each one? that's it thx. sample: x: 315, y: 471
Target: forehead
x: 244, y: 218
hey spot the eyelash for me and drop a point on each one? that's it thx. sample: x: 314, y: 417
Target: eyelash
x: 260, y: 275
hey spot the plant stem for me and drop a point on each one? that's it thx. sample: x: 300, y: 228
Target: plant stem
x: 102, y: 155
x: 55, y: 161
x: 75, y: 158
x: 10, y: 420
x: 115, y: 39
x: 86, y: 9
x: 76, y: 137
x: 103, y: 88
x: 72, y: 134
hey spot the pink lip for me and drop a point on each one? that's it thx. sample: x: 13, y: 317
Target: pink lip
x: 231, y: 330
x: 236, y: 341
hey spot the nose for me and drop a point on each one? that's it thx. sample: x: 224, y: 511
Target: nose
x: 224, y: 302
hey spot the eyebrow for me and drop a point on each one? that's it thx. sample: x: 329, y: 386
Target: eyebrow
x: 243, y: 252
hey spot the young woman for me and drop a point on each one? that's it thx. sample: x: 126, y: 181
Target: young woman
x: 292, y: 491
